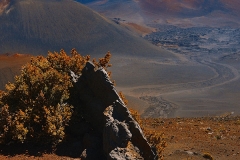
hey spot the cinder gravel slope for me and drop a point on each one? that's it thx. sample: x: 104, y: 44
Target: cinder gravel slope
x: 36, y: 26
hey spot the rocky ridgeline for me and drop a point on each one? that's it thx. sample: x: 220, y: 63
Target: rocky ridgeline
x: 114, y: 133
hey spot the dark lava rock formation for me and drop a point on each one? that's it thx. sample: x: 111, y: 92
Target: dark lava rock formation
x: 114, y: 133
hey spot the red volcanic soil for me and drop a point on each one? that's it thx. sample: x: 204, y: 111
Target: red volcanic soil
x: 9, y: 60
x: 190, y: 7
x: 3, y: 5
x: 10, y: 65
x: 185, y: 13
x: 174, y: 6
x: 232, y: 5
x: 199, y: 138
x: 140, y: 29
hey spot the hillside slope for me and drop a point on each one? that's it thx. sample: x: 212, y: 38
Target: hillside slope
x: 36, y: 26
x: 139, y: 68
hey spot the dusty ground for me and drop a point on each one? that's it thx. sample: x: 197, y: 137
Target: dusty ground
x: 187, y: 138
x: 194, y: 138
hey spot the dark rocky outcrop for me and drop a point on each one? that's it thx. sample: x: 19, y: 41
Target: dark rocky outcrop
x: 115, y: 134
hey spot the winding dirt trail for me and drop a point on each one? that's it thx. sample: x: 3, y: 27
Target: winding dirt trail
x: 223, y: 74
x: 164, y: 100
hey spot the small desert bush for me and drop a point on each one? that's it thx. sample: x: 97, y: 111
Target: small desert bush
x: 35, y: 107
x: 207, y: 156
x: 155, y: 138
x: 125, y: 101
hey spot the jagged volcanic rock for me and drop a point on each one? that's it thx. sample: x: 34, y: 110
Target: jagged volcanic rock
x: 116, y: 134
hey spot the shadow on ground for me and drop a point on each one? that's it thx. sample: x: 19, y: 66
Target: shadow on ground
x: 70, y: 148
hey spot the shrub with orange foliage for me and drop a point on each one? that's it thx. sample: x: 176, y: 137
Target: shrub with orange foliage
x: 104, y: 62
x: 155, y: 139
x: 123, y: 98
x: 35, y: 107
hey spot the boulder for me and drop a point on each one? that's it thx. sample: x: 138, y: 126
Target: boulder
x: 119, y: 135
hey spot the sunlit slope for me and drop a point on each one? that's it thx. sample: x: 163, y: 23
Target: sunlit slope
x: 36, y: 26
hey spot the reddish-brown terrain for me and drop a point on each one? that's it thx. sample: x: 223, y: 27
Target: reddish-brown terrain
x: 232, y: 5
x: 195, y: 138
x: 175, y: 7
x: 185, y: 13
x: 139, y: 29
x: 3, y: 5
x: 10, y: 65
x: 187, y: 138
